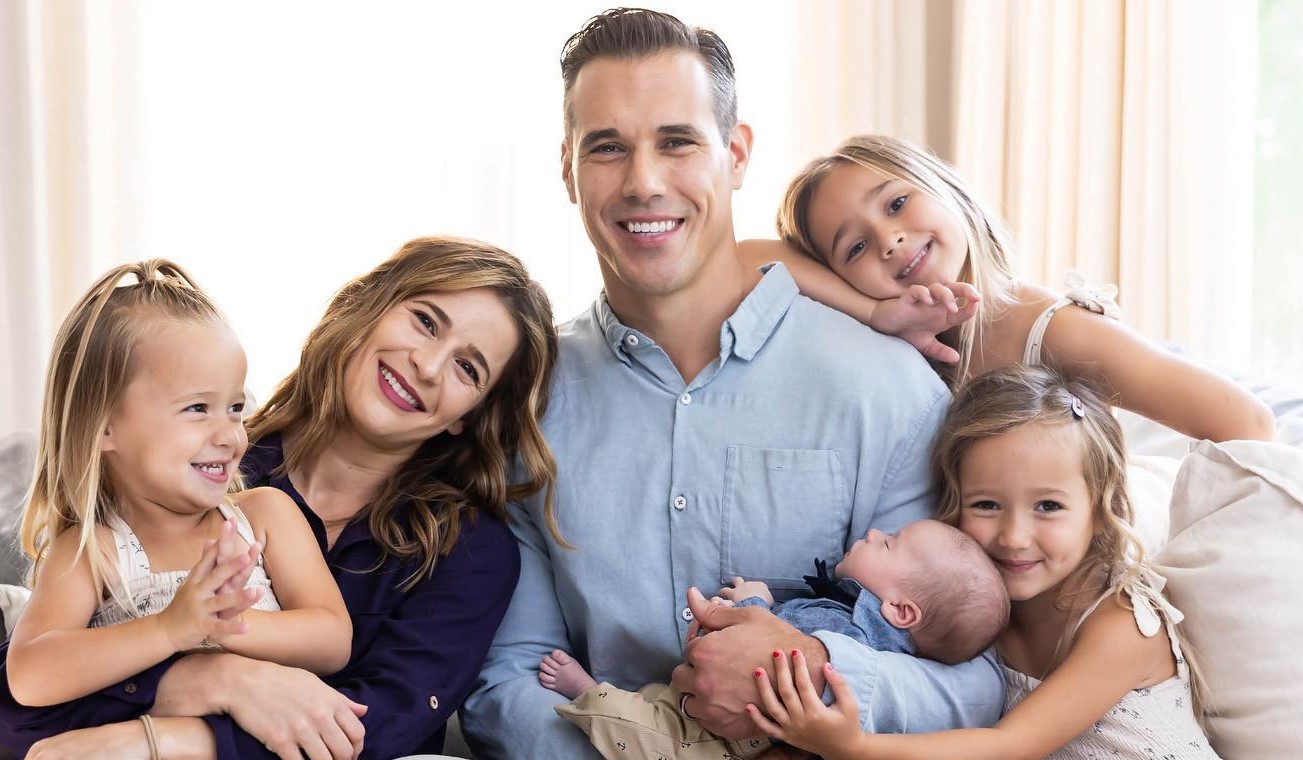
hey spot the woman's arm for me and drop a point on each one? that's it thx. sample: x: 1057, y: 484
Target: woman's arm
x: 178, y: 739
x: 53, y: 657
x: 1108, y: 658
x: 1153, y: 382
x: 312, y: 630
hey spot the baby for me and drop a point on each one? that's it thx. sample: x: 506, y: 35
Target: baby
x: 928, y: 591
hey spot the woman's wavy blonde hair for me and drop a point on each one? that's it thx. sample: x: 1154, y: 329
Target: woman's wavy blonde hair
x: 91, y: 365
x: 449, y: 476
x: 1008, y: 398
x: 989, y: 263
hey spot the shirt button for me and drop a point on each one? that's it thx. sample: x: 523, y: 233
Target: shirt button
x: 685, y: 399
x: 680, y: 502
x: 631, y: 340
x: 129, y: 688
x: 686, y: 614
x: 434, y: 703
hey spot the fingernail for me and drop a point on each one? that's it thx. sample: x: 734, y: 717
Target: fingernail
x: 777, y: 654
x: 795, y: 652
x: 760, y: 672
x: 830, y: 666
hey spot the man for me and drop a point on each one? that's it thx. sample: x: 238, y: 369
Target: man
x: 708, y: 422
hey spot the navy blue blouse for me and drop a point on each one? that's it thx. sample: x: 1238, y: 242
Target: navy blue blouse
x: 415, y: 653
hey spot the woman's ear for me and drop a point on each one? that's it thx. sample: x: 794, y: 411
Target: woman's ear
x: 456, y: 427
x: 903, y: 613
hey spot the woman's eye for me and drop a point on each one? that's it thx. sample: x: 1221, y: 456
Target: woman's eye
x: 470, y: 370
x: 897, y: 204
x: 425, y: 321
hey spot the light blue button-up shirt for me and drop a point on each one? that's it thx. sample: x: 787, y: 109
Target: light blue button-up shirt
x: 807, y: 430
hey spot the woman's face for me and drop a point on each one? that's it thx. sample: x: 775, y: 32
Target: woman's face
x: 429, y: 361
x: 882, y: 234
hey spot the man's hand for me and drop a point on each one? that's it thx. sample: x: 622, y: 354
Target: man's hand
x: 718, y: 669
x: 289, y: 710
x: 926, y: 311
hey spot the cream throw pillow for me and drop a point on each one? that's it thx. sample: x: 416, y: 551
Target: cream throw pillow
x: 1234, y: 563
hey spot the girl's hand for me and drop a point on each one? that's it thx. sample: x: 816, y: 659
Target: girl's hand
x: 195, y: 615
x: 229, y: 545
x: 924, y: 312
x: 798, y: 716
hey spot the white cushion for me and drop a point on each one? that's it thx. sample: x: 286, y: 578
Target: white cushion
x: 1233, y: 566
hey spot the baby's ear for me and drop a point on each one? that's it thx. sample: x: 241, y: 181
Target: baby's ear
x: 902, y: 613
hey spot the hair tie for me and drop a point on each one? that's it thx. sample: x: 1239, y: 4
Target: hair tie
x: 1078, y: 408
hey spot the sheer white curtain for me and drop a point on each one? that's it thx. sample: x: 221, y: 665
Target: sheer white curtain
x: 277, y: 149
x: 68, y: 160
x: 1117, y: 136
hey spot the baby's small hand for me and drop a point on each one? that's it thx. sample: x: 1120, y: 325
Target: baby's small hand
x: 744, y: 589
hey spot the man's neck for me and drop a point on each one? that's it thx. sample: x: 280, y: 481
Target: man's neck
x: 686, y: 323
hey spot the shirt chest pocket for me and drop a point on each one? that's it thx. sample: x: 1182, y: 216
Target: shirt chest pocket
x: 782, y: 508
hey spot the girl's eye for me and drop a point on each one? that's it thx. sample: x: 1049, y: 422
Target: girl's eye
x: 1048, y: 506
x: 896, y: 204
x: 855, y: 250
x: 200, y: 408
x: 237, y: 408
x: 984, y: 506
x: 470, y: 370
x: 425, y: 321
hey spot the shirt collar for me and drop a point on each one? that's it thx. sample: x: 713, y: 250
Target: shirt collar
x: 749, y: 327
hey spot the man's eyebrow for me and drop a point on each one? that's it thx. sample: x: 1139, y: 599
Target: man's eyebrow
x: 592, y: 138
x: 868, y: 198
x: 681, y: 130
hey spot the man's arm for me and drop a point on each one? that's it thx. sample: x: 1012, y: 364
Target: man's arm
x: 509, y: 710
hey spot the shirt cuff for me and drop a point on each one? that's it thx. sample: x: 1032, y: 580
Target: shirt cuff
x: 858, y: 666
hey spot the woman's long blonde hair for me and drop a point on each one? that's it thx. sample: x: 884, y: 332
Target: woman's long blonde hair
x: 91, y: 364
x: 988, y: 266
x: 449, y: 476
x: 1008, y: 398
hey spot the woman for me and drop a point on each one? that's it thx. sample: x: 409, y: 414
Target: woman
x: 414, y: 395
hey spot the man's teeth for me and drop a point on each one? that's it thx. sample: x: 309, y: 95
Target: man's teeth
x: 664, y: 225
x: 398, y: 387
x: 211, y: 469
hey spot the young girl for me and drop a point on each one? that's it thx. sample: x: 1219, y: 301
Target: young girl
x: 892, y: 222
x: 1093, y: 661
x: 141, y: 438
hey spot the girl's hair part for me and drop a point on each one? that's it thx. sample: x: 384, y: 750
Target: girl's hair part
x: 92, y: 363
x: 1008, y: 398
x: 989, y: 264
x: 449, y: 476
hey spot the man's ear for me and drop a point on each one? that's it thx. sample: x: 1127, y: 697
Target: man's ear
x: 567, y: 170
x: 739, y: 148
x: 903, y: 613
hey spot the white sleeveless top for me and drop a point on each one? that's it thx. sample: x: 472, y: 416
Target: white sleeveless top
x: 1099, y: 300
x: 148, y: 592
x: 1154, y: 722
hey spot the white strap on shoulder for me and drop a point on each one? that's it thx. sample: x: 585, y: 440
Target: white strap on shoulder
x: 242, y: 524
x: 1031, y: 355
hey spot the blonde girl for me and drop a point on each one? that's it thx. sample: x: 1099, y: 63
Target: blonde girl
x: 1094, y: 665
x: 880, y: 224
x: 140, y: 444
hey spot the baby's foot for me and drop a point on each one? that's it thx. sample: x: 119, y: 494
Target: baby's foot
x: 563, y: 674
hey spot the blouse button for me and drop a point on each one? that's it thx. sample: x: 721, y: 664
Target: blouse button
x: 129, y: 688
x: 434, y: 703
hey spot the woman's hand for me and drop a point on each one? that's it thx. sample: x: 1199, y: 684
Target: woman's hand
x: 797, y: 715
x: 115, y: 741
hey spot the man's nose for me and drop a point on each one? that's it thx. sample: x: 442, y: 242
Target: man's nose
x: 644, y: 176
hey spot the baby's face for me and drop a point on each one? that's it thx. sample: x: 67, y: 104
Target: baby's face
x: 880, y: 560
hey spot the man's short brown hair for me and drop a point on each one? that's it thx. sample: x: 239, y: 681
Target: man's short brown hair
x: 638, y: 33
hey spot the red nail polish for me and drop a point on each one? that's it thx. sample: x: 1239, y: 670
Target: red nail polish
x: 760, y: 673
x: 795, y: 652
x: 777, y: 654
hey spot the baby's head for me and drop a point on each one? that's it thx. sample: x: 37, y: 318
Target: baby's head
x: 934, y: 582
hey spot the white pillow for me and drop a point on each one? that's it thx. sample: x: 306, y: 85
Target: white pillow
x: 1233, y: 567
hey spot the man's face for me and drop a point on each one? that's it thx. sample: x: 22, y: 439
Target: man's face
x: 645, y: 162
